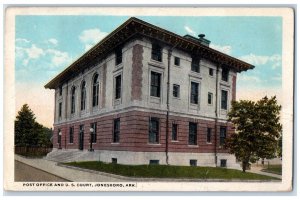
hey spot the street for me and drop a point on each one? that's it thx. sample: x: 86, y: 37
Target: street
x: 26, y: 173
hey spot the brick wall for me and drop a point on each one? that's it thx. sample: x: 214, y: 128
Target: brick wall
x: 134, y: 131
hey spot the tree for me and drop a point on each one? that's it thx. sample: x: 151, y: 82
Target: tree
x: 28, y: 132
x: 257, y: 130
x: 24, y: 127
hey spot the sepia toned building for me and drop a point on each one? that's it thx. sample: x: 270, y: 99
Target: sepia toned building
x: 145, y: 95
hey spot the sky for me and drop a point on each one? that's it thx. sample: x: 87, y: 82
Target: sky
x: 45, y: 45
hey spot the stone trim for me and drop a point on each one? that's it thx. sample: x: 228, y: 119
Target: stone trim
x: 137, y: 72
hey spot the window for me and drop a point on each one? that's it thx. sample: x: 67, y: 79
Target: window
x: 225, y: 74
x: 176, y: 90
x: 60, y: 90
x: 195, y: 65
x: 83, y: 96
x: 114, y: 160
x: 222, y: 135
x: 59, y: 109
x: 116, y: 135
x: 96, y: 90
x: 192, y: 133
x: 177, y: 61
x: 223, y: 163
x: 174, y: 132
x: 155, y: 84
x: 193, y: 162
x: 153, y: 130
x: 154, y: 162
x: 58, y: 136
x: 118, y: 87
x: 208, y: 135
x: 156, y: 53
x: 71, y: 135
x: 209, y: 98
x: 194, y: 92
x: 118, y: 56
x: 211, y: 71
x: 94, y: 134
x: 224, y: 99
x: 73, y: 100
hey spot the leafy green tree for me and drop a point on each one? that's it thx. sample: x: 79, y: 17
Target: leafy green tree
x: 257, y: 130
x: 28, y: 132
x: 24, y: 127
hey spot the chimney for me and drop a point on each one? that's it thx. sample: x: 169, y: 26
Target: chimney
x: 200, y: 40
x: 203, y: 40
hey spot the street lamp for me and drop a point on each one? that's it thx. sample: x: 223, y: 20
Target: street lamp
x: 91, y: 139
x: 59, y: 140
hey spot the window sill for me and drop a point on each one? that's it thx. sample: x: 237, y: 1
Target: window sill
x: 115, y: 143
x: 177, y: 98
x: 208, y: 143
x: 155, y: 144
x: 156, y: 63
x: 156, y: 100
x: 118, y: 67
x: 195, y: 75
x: 193, y: 145
x: 174, y: 141
x: 224, y: 83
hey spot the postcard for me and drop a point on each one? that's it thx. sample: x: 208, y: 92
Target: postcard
x: 148, y: 99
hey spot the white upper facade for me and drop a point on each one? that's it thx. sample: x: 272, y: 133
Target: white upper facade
x: 181, y: 76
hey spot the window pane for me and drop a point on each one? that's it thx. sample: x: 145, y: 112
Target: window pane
x: 192, y: 133
x: 155, y: 84
x: 118, y: 56
x: 194, y: 92
x: 116, y: 130
x: 225, y: 74
x: 222, y: 135
x: 153, y: 130
x: 174, y: 132
x: 118, y: 87
x: 208, y: 136
x: 224, y: 97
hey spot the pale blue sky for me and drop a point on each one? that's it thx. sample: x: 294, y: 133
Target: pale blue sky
x: 45, y: 45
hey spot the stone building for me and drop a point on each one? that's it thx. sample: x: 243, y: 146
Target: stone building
x: 145, y: 95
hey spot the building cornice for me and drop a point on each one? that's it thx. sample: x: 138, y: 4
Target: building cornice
x: 134, y: 27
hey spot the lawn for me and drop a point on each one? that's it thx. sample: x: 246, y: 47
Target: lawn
x: 275, y: 169
x: 168, y: 171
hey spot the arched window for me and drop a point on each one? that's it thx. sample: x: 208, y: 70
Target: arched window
x: 83, y: 96
x: 95, y: 90
x: 73, y: 99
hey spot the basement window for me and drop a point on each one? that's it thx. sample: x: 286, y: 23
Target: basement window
x: 193, y: 162
x: 114, y: 160
x: 154, y: 162
x: 223, y: 163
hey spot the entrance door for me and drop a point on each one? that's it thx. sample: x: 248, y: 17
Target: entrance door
x: 81, y: 134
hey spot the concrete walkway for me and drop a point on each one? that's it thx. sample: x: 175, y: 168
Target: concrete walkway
x: 84, y: 175
x: 66, y: 173
x: 257, y: 170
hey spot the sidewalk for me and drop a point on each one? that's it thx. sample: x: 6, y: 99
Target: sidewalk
x: 257, y: 170
x: 84, y: 175
x: 66, y: 173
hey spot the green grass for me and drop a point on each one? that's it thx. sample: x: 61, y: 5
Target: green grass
x: 275, y: 169
x: 168, y: 171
